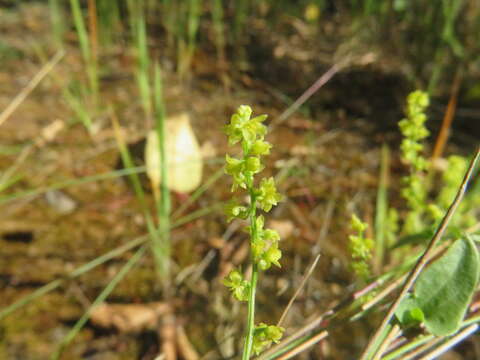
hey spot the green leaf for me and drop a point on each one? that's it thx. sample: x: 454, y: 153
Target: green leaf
x: 444, y: 290
x: 409, y: 313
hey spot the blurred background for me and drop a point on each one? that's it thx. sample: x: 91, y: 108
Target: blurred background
x: 82, y: 83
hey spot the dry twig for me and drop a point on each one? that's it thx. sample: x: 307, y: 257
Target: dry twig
x: 300, y: 287
x: 22, y: 95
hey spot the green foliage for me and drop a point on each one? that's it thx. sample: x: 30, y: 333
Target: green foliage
x: 57, y: 20
x: 250, y: 133
x: 182, y: 21
x: 76, y: 96
x: 140, y: 43
x: 161, y: 244
x: 109, y: 19
x: 408, y: 313
x: 451, y: 180
x: 79, y: 97
x: 423, y: 215
x: 383, y: 233
x: 360, y: 248
x: 219, y: 28
x: 85, y: 45
x: 457, y: 166
x: 391, y: 225
x: 443, y: 291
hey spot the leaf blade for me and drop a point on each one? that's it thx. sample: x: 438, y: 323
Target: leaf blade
x: 444, y: 290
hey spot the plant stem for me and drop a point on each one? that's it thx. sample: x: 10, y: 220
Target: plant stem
x: 247, y: 348
x: 162, y: 247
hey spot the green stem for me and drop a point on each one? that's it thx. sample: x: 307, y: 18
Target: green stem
x: 247, y: 348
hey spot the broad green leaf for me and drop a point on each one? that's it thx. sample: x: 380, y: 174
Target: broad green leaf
x: 443, y: 291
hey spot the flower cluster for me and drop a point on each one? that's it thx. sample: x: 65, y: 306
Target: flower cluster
x: 451, y: 179
x: 238, y: 285
x: 414, y: 131
x: 264, y: 335
x: 360, y: 248
x: 264, y: 246
x: 250, y: 133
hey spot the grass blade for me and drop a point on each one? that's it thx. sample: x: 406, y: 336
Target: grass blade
x: 381, y: 209
x: 162, y: 246
x: 71, y: 182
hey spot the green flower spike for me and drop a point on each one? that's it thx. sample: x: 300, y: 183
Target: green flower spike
x: 360, y: 248
x: 250, y: 132
x: 414, y: 132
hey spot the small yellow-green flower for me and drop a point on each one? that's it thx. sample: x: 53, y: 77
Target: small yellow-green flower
x: 267, y: 194
x: 240, y: 288
x: 264, y: 335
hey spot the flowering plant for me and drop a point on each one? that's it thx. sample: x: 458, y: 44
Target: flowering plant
x: 250, y: 133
